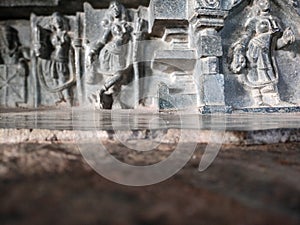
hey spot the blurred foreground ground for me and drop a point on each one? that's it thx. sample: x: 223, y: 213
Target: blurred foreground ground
x: 51, y: 184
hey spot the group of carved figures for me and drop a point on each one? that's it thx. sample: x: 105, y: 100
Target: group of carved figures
x: 107, y: 56
x: 252, y: 56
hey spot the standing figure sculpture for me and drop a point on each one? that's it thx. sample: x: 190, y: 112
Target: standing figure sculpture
x: 11, y: 52
x: 54, y: 48
x: 253, y: 54
x: 13, y: 68
x: 10, y: 46
x: 112, y: 52
x: 61, y: 42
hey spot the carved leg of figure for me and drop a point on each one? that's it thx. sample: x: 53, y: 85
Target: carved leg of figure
x: 60, y: 94
x: 101, y: 100
x: 61, y: 98
x: 68, y: 96
x: 108, y: 93
x: 104, y: 98
x: 91, y: 74
x: 112, y: 81
x: 271, y: 96
x: 257, y: 97
x: 107, y: 101
x: 95, y: 99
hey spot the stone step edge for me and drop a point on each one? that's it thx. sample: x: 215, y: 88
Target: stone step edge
x: 169, y: 136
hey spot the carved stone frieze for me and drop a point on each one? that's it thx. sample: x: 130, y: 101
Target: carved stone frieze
x: 210, y: 55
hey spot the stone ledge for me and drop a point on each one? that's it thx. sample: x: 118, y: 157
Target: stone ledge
x: 163, y: 136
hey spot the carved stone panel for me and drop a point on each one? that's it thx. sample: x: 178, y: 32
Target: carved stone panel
x: 14, y: 69
x: 261, y: 53
x: 209, y: 55
x: 53, y: 59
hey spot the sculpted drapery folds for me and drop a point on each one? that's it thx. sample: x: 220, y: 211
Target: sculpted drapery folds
x: 110, y: 53
x: 253, y: 54
x: 53, y: 48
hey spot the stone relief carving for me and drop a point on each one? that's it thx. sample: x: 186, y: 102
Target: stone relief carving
x: 109, y: 55
x: 13, y: 68
x: 253, y: 54
x: 87, y: 59
x: 10, y: 46
x: 55, y: 60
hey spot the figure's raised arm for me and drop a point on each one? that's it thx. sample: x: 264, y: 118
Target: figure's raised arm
x: 288, y: 37
x: 97, y: 47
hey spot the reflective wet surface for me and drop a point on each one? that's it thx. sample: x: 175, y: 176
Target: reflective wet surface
x: 85, y: 119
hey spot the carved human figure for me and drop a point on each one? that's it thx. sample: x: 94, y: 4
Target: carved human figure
x: 57, y: 55
x: 11, y: 52
x: 60, y: 57
x: 253, y: 54
x: 9, y: 45
x: 112, y: 52
x: 14, y: 68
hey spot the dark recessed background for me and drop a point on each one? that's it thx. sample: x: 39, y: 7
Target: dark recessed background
x: 64, y: 6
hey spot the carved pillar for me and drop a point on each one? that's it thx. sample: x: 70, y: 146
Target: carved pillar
x: 207, y: 20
